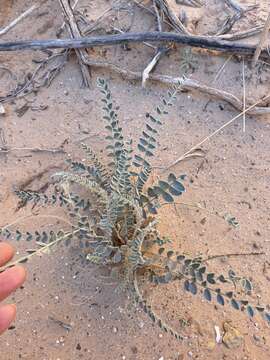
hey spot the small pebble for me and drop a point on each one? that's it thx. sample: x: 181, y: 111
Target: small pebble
x: 2, y: 110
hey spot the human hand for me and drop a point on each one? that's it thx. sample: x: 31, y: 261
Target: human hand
x: 10, y: 280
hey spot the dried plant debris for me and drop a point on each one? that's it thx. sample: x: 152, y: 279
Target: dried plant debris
x: 113, y: 220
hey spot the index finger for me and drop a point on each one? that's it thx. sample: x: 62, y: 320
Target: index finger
x: 6, y: 253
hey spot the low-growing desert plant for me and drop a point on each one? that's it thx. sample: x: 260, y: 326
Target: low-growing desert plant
x: 113, y: 217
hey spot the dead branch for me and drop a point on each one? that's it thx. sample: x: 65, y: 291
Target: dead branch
x: 17, y: 20
x: 144, y: 43
x: 211, y: 43
x: 234, y: 5
x: 62, y: 27
x: 187, y: 84
x: 75, y: 33
x: 173, y: 18
x: 242, y: 34
x: 229, y: 23
x: 159, y: 23
x: 262, y: 41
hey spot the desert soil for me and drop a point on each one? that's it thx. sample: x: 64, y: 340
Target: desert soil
x: 233, y: 178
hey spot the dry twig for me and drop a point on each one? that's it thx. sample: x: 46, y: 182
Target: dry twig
x: 152, y: 64
x: 216, y: 132
x: 212, y: 257
x: 262, y: 41
x: 6, y: 150
x: 17, y: 20
x: 186, y: 84
x: 62, y: 27
x: 238, y: 8
x: 61, y: 323
x: 75, y: 33
x: 58, y: 150
x: 160, y: 51
x: 193, y: 3
x: 165, y: 6
x: 159, y: 23
x: 244, y: 95
x: 242, y: 34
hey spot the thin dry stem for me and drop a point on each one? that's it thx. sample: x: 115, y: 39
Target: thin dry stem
x: 244, y: 95
x: 216, y: 132
x: 17, y: 20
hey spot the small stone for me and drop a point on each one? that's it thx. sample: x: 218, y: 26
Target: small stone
x: 115, y: 330
x: 66, y: 92
x: 141, y: 324
x: 78, y: 347
x: 232, y: 337
x: 190, y: 353
x: 2, y: 110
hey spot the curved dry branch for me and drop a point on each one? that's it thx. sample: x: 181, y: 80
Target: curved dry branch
x: 187, y: 84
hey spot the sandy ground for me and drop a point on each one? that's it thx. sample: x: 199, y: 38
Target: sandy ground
x: 232, y: 179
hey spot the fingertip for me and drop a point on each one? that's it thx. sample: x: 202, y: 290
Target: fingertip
x: 6, y: 253
x: 21, y: 272
x: 10, y: 280
x: 17, y: 275
x: 7, y: 316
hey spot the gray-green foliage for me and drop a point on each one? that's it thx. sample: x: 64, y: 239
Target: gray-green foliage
x: 113, y: 217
